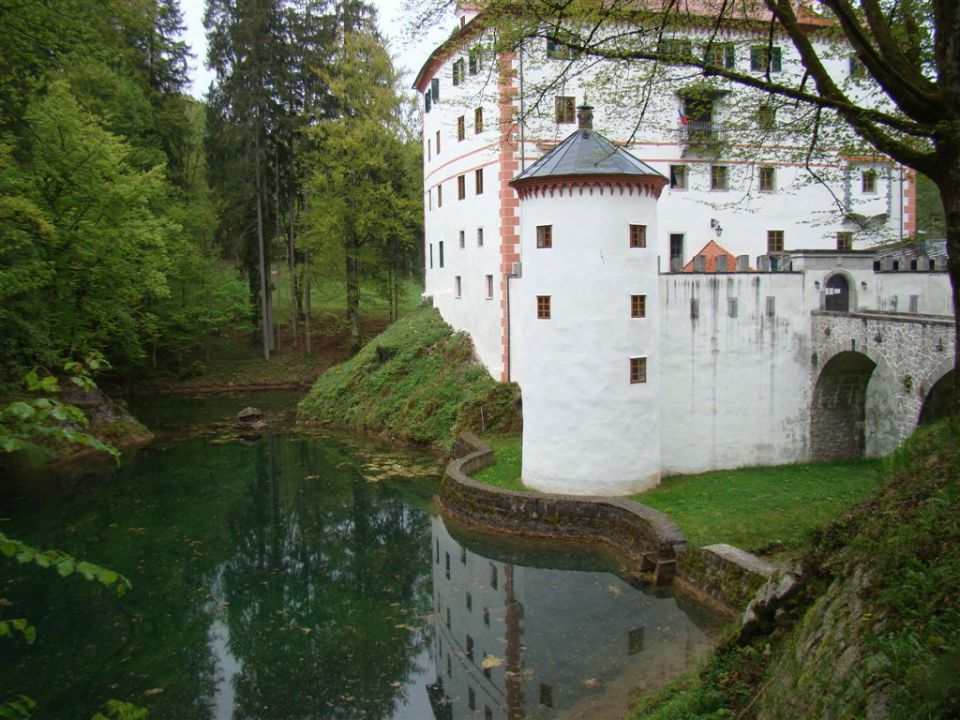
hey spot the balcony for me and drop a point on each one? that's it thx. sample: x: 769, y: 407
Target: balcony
x: 698, y: 133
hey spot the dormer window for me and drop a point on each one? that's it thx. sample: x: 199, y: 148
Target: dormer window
x: 868, y: 182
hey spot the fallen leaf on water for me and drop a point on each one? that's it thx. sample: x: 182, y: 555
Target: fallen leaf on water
x: 591, y: 682
x: 614, y: 590
x: 153, y: 691
x: 490, y: 662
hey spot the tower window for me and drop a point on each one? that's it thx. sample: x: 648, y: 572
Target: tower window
x: 774, y: 241
x: 478, y: 121
x: 463, y: 239
x: 543, y: 307
x: 458, y: 288
x: 439, y: 196
x: 437, y: 143
x: 479, y: 237
x: 489, y: 287
x: 544, y: 236
x: 440, y: 247
x: 638, y: 306
x: 478, y: 180
x: 638, y: 370
x: 638, y: 236
x: 461, y: 128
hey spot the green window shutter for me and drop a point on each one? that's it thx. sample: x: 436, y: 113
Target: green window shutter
x: 775, y: 60
x: 728, y: 58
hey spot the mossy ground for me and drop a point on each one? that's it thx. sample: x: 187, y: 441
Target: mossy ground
x: 416, y: 382
x: 904, y: 544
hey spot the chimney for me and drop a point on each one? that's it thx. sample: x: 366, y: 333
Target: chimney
x: 585, y: 116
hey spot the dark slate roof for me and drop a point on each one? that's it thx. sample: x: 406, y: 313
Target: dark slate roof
x: 932, y: 249
x: 586, y: 152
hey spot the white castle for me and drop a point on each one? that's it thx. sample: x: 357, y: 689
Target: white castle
x: 591, y: 271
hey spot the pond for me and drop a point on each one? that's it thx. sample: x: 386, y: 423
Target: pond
x: 300, y: 575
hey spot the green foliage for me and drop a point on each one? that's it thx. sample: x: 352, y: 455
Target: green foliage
x: 117, y: 710
x: 417, y: 381
x: 505, y: 473
x: 65, y: 565
x: 18, y: 708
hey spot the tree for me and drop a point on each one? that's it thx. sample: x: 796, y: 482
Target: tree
x: 361, y: 213
x: 906, y: 105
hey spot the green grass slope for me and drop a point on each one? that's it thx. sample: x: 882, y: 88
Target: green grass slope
x: 418, y: 382
x: 876, y: 631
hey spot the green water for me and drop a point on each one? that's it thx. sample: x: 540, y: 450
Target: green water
x: 299, y: 576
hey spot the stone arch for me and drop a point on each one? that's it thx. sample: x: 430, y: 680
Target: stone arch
x: 937, y: 400
x: 842, y: 280
x: 838, y: 412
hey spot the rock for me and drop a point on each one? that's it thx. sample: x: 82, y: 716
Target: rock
x: 249, y: 415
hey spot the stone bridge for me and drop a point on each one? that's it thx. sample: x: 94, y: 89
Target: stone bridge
x: 876, y: 376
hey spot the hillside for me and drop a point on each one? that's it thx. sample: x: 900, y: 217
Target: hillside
x: 873, y: 630
x: 417, y: 382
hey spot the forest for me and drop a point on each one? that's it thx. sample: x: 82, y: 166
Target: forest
x: 136, y: 221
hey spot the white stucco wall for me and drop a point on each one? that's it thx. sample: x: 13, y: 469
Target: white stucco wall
x: 734, y: 390
x: 586, y: 428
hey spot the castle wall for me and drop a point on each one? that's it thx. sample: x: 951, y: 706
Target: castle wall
x: 735, y: 391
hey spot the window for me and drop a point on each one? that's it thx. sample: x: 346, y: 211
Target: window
x: 431, y: 256
x: 768, y: 179
x: 543, y: 307
x: 469, y: 601
x: 463, y: 557
x: 678, y: 177
x: 720, y: 54
x: 763, y: 55
x: 447, y: 573
x: 435, y: 89
x: 565, y: 109
x: 461, y: 187
x: 475, y: 61
x: 429, y: 145
x: 479, y: 237
x: 438, y: 552
x: 471, y: 695
x: 774, y: 241
x: 469, y: 648
x: 438, y: 142
x: 430, y: 199
x: 767, y: 116
x: 771, y: 306
x: 845, y: 240
x: 731, y: 307
x: 458, y: 288
x: 914, y: 303
x: 461, y: 128
x: 478, y: 180
x: 676, y: 47
x: 676, y: 246
x: 478, y: 121
x: 493, y: 576
x: 486, y: 617
x: 638, y: 370
x: 439, y: 196
x: 718, y: 177
x: 868, y: 181
x: 638, y: 236
x: 463, y: 239
x: 546, y: 695
x: 426, y: 101
x: 544, y: 236
x: 557, y: 50
x: 638, y: 306
x: 857, y: 69
x: 694, y: 308
x: 458, y: 72
x: 440, y: 247
x: 489, y: 287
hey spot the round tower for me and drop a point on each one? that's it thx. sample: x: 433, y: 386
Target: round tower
x: 587, y: 321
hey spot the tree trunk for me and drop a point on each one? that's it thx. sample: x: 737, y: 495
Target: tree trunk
x: 949, y: 185
x: 292, y: 252
x: 307, y: 303
x: 264, y: 314
x: 353, y: 294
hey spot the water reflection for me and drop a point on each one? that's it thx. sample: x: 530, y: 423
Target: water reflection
x: 523, y: 635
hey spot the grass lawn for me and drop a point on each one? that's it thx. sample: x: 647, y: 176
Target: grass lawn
x: 764, y: 509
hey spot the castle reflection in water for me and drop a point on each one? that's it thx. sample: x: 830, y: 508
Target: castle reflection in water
x: 528, y: 634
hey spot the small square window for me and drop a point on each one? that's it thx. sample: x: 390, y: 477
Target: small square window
x: 489, y: 287
x: 479, y: 237
x: 678, y: 177
x: 461, y: 187
x: 638, y: 306
x: 718, y: 177
x: 544, y: 236
x: 463, y: 239
x: 869, y: 181
x: 845, y: 240
x: 638, y: 370
x: 543, y: 307
x: 638, y: 236
x: 768, y: 178
x: 458, y: 288
x: 461, y: 128
x: 565, y: 109
x: 774, y: 241
x: 478, y: 180
x: 478, y: 121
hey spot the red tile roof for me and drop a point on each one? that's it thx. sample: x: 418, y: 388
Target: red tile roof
x: 712, y: 250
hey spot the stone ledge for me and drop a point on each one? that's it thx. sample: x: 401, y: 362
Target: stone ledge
x: 727, y: 576
x: 644, y: 535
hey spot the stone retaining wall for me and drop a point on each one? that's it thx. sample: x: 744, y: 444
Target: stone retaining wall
x: 726, y: 575
x: 644, y: 535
